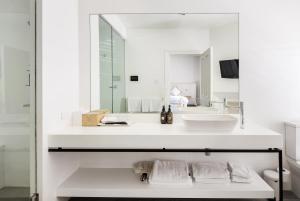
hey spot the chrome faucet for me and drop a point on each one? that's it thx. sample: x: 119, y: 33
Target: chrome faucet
x: 242, y: 118
x: 242, y: 114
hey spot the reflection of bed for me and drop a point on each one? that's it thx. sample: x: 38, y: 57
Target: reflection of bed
x: 183, y: 94
x: 179, y: 100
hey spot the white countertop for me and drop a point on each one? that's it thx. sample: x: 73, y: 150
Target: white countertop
x: 154, y: 135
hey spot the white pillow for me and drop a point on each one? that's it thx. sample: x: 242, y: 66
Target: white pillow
x: 175, y: 91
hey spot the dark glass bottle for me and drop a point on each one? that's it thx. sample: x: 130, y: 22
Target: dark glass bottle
x: 169, y: 116
x: 163, y: 116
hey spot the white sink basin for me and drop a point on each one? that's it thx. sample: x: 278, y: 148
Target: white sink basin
x: 210, y: 121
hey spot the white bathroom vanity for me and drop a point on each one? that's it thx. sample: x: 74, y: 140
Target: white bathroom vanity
x: 148, y: 135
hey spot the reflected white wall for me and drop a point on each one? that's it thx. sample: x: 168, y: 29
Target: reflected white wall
x: 145, y: 51
x: 95, y: 62
x: 225, y: 41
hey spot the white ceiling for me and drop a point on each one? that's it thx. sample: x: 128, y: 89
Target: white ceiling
x: 158, y: 21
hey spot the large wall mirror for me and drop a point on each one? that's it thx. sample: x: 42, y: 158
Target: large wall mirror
x: 140, y: 62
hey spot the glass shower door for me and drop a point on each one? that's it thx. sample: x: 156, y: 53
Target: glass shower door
x: 119, y: 102
x: 17, y: 100
x: 105, y: 49
x: 112, y: 68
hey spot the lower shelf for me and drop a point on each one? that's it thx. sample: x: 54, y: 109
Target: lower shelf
x: 116, y: 182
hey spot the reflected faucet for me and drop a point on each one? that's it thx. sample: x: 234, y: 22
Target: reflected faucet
x: 241, y: 107
x: 242, y: 120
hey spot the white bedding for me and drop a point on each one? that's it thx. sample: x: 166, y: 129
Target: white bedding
x: 179, y: 100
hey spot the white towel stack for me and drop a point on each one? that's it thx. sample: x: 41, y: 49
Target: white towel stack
x: 239, y: 173
x: 146, y: 102
x: 174, y: 172
x: 151, y: 104
x: 155, y: 105
x: 210, y: 172
x: 134, y: 104
x: 167, y: 172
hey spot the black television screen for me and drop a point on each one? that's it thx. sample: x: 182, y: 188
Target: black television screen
x: 230, y: 68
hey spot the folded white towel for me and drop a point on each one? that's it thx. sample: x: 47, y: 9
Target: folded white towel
x: 237, y: 179
x: 134, y: 104
x: 170, y: 172
x: 239, y: 170
x: 210, y: 170
x: 212, y: 181
x: 146, y: 104
x: 151, y: 104
x: 155, y: 105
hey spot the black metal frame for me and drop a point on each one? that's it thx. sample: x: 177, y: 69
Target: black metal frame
x: 205, y: 150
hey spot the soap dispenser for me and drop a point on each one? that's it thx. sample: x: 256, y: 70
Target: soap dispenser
x: 169, y: 116
x: 163, y: 116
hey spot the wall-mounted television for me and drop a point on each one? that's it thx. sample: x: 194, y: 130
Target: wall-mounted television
x: 229, y: 68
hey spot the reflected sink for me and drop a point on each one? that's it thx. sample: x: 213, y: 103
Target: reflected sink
x: 210, y: 121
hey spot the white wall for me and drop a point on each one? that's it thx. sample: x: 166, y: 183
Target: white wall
x: 269, y: 49
x: 58, y: 78
x: 184, y: 68
x: 145, y: 51
x: 269, y: 60
x: 117, y: 24
x: 95, y: 63
x: 225, y: 41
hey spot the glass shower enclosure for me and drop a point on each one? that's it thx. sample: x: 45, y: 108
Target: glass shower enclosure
x: 17, y: 100
x: 111, y: 68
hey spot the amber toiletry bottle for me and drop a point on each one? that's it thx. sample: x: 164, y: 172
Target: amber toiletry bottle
x: 163, y: 116
x: 169, y: 116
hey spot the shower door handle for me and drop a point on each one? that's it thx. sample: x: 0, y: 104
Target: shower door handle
x: 29, y: 81
x: 113, y: 86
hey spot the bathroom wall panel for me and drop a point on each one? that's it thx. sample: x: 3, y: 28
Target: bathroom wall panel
x: 57, y: 87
